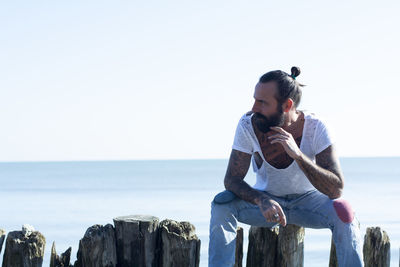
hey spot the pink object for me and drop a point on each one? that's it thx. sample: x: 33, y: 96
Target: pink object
x: 343, y: 210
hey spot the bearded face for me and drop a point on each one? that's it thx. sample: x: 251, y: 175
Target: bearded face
x: 264, y: 123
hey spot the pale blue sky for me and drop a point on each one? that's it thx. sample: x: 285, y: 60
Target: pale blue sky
x: 110, y: 80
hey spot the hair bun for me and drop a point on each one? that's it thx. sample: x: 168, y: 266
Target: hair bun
x: 295, y: 72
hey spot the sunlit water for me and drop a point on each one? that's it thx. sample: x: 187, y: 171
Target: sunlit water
x: 63, y: 199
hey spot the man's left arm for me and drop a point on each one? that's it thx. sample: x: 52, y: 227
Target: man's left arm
x: 325, y: 175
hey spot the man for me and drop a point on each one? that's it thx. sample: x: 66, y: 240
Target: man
x: 298, y: 175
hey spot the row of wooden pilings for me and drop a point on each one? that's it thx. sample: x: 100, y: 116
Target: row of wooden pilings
x: 284, y: 246
x: 141, y: 240
x: 136, y: 240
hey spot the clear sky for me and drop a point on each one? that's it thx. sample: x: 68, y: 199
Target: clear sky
x: 120, y: 80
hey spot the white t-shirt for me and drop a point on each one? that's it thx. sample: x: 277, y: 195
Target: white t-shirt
x: 290, y: 180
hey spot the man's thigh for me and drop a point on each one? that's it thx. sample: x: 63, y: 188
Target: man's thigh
x: 243, y: 211
x: 251, y: 215
x: 316, y: 210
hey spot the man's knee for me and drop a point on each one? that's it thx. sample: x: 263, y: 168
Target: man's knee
x: 224, y: 197
x: 219, y: 208
x: 343, y: 210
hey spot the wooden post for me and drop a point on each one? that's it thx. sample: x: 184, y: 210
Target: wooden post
x: 2, y: 237
x: 178, y: 244
x: 291, y: 246
x: 262, y: 246
x: 376, y: 248
x: 24, y: 248
x: 136, y: 240
x: 239, y: 247
x: 283, y: 246
x: 97, y: 248
x: 333, y: 258
x: 60, y: 261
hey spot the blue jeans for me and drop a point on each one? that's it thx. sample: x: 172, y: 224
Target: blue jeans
x: 312, y: 209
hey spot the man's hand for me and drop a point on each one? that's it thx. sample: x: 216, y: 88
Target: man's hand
x: 325, y: 174
x: 272, y: 211
x: 287, y: 141
x: 238, y: 166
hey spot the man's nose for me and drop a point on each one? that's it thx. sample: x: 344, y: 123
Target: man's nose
x: 255, y: 108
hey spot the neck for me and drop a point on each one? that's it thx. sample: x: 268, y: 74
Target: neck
x: 291, y: 117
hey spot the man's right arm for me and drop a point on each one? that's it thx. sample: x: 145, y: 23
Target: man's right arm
x: 238, y: 166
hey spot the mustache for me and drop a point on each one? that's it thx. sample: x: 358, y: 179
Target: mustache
x: 260, y: 116
x: 264, y: 123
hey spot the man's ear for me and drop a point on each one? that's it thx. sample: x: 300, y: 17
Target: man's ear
x: 287, y: 105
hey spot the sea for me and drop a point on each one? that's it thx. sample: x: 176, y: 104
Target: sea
x: 63, y: 199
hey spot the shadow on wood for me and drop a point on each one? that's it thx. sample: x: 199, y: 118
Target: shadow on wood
x: 376, y: 248
x: 60, y: 261
x: 280, y: 246
x: 178, y: 244
x: 136, y: 240
x: 239, y: 247
x: 97, y: 248
x: 24, y: 248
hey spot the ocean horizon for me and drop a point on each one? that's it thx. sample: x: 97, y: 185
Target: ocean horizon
x: 61, y: 199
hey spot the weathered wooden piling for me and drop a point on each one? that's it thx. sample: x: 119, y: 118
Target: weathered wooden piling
x: 262, y: 248
x: 178, y: 244
x: 2, y: 237
x: 291, y: 246
x: 136, y: 240
x: 60, y: 261
x: 283, y: 246
x: 333, y: 258
x: 24, y: 248
x: 98, y: 247
x: 239, y: 247
x: 376, y: 248
x: 140, y: 240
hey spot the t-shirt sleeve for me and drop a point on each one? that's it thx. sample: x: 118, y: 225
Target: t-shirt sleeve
x: 322, y: 138
x: 242, y: 140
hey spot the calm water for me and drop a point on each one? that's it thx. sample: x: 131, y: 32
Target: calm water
x: 62, y: 199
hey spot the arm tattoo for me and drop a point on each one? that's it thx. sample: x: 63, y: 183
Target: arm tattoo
x: 325, y: 175
x: 238, y: 166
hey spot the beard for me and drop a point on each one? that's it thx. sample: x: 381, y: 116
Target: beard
x: 264, y: 123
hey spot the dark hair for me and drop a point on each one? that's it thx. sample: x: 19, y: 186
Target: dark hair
x: 288, y: 87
